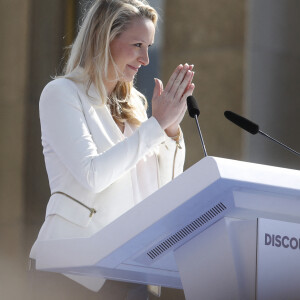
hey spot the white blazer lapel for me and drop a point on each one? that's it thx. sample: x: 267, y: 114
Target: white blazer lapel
x: 103, y: 128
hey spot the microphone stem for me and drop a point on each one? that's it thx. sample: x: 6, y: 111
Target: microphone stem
x: 202, y: 141
x: 285, y: 146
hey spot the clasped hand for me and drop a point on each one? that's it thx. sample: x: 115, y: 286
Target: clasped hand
x: 169, y: 104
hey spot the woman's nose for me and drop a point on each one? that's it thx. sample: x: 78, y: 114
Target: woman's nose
x: 144, y: 58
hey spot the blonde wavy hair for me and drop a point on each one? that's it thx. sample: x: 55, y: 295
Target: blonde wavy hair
x: 104, y: 21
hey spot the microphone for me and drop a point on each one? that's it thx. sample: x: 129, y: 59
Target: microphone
x: 194, y: 112
x: 252, y: 128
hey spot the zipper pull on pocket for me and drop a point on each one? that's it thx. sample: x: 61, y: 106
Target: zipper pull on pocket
x: 93, y: 211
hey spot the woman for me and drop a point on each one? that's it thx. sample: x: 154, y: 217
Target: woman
x: 98, y: 143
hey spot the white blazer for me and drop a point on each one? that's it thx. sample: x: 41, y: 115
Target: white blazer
x: 88, y: 158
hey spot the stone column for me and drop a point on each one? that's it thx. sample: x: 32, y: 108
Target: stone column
x: 13, y: 78
x: 209, y: 34
x: 47, y: 30
x: 273, y: 76
x: 14, y: 16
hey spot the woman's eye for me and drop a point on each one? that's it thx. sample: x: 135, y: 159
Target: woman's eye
x: 138, y: 45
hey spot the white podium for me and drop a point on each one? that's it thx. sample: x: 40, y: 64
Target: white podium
x: 224, y: 229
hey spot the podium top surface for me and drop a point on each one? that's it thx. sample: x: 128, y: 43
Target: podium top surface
x: 246, y: 172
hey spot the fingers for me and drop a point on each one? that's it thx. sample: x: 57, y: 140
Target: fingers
x: 178, y: 80
x: 161, y: 86
x: 184, y: 85
x: 158, y: 88
x: 191, y: 79
x: 190, y: 82
x: 180, y: 92
x: 191, y: 67
x: 188, y: 92
x: 173, y: 77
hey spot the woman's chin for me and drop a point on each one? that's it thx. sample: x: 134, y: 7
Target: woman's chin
x: 128, y: 78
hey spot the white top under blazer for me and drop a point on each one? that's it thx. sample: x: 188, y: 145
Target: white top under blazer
x: 89, y: 159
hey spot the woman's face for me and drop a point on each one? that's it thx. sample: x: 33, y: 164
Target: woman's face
x: 130, y: 49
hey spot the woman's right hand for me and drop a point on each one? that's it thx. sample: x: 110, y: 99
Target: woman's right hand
x: 169, y: 104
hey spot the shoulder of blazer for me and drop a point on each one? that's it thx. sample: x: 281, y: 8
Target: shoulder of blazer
x: 59, y: 92
x: 60, y: 85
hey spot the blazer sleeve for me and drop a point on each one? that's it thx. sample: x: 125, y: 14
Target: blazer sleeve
x: 64, y: 128
x: 171, y: 159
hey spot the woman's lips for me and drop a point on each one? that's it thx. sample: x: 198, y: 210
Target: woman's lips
x: 133, y: 68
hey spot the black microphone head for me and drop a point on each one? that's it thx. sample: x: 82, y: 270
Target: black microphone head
x: 192, y: 107
x: 242, y: 122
